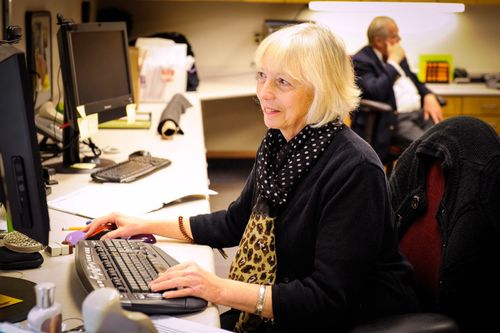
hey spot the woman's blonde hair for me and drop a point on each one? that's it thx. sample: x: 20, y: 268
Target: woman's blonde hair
x: 311, y: 54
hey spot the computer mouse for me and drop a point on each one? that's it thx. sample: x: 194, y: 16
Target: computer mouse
x: 138, y: 153
x: 101, y: 231
x: 147, y: 238
x: 74, y: 237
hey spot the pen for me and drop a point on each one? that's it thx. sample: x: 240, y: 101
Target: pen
x: 72, y: 228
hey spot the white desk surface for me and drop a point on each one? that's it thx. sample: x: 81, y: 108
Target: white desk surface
x: 187, y: 153
x: 463, y: 89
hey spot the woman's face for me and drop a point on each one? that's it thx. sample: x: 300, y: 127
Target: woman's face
x: 283, y: 100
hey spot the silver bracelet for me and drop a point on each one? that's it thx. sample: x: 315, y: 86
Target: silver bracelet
x: 260, y: 302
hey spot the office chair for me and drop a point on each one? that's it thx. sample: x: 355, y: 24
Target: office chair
x: 445, y: 190
x: 371, y: 127
x: 372, y: 111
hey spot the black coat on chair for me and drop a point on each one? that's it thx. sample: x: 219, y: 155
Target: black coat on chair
x: 463, y: 154
x: 445, y: 190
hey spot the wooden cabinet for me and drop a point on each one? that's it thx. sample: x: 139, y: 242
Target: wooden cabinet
x: 486, y: 108
x: 453, y: 106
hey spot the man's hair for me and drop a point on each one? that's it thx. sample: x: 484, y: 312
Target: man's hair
x: 379, y: 27
x: 311, y: 54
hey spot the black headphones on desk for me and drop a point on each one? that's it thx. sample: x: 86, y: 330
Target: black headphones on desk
x: 13, y: 33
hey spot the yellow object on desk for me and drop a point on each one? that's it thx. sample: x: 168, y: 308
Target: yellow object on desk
x: 72, y: 228
x: 142, y: 121
x: 6, y: 301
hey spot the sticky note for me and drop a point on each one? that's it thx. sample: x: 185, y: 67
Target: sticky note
x: 84, y: 166
x: 130, y: 108
x: 88, y: 126
x: 81, y: 110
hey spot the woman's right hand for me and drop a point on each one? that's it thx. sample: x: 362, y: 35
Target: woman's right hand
x: 126, y: 226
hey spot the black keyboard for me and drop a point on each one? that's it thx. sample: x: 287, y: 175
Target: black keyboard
x: 128, y: 266
x: 130, y: 170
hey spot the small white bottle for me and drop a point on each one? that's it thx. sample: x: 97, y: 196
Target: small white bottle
x: 46, y: 315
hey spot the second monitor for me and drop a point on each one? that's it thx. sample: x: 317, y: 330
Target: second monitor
x: 97, y: 79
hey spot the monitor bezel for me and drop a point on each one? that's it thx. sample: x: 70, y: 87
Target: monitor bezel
x: 71, y: 134
x: 107, y: 109
x: 18, y: 139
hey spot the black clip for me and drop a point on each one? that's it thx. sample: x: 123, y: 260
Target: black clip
x: 13, y: 34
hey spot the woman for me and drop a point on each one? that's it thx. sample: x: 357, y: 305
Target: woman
x: 317, y: 245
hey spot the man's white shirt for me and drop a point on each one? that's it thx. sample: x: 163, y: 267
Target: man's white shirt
x: 407, y: 96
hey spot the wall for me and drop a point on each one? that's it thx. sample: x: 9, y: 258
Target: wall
x: 222, y: 33
x: 471, y: 37
x: 68, y: 8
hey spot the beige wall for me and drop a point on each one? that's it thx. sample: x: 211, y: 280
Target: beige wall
x: 68, y: 8
x: 222, y: 34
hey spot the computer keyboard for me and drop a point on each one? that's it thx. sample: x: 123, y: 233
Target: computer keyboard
x: 130, y: 170
x: 128, y: 266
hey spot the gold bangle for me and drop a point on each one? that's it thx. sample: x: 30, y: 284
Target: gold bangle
x: 260, y: 302
x: 183, y: 230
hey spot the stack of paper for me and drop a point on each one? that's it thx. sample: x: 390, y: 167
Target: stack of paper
x: 131, y: 199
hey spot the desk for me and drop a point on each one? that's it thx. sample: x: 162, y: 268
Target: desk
x: 187, y: 153
x: 471, y: 99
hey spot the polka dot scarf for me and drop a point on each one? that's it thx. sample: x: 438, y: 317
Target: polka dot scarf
x: 281, y: 164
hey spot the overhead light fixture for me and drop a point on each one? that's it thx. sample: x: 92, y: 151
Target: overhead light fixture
x: 371, y: 6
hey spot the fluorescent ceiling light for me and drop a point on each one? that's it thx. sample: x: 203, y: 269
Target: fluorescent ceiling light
x: 370, y: 6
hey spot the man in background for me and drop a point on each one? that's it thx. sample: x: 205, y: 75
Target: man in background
x: 383, y: 75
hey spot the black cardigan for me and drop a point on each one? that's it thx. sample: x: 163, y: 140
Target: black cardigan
x: 469, y: 215
x: 337, y: 249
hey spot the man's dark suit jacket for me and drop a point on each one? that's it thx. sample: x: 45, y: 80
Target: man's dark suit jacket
x: 375, y: 80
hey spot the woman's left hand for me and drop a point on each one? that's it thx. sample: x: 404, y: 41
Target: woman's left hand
x: 188, y: 279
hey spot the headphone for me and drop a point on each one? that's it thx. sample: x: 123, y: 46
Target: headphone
x: 13, y: 33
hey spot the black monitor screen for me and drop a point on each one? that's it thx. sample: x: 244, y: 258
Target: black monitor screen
x: 23, y: 190
x: 101, y: 70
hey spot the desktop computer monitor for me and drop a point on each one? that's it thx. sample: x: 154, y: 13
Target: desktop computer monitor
x: 22, y: 188
x: 97, y: 79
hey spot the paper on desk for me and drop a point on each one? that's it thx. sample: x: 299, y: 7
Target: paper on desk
x: 167, y: 324
x: 131, y: 199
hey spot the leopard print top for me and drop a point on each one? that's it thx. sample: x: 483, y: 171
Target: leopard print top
x: 255, y: 260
